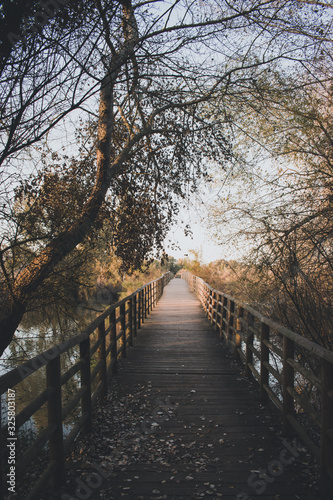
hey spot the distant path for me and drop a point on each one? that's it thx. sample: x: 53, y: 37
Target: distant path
x: 183, y: 423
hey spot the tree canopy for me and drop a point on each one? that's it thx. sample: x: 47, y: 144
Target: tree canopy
x: 153, y: 86
x: 280, y: 196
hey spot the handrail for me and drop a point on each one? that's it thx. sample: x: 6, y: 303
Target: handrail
x: 104, y: 341
x: 293, y: 372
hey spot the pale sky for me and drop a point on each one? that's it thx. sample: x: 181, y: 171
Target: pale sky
x: 200, y: 239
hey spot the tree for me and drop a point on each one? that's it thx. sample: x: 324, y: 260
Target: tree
x: 154, y: 68
x: 286, y: 213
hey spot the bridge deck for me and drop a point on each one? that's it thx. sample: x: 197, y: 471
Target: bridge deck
x: 182, y: 422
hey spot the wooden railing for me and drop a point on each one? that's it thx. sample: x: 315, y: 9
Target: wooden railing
x: 295, y: 373
x: 93, y: 360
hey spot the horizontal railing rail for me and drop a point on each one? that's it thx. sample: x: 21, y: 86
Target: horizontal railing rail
x: 93, y: 356
x: 293, y: 372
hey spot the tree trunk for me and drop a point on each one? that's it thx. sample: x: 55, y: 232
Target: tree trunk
x: 30, y: 278
x: 11, y: 314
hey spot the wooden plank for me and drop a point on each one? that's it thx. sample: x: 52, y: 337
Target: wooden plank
x: 217, y: 432
x: 55, y: 379
x: 86, y: 383
x: 288, y: 382
x: 54, y: 412
x: 43, y: 480
x: 306, y: 406
x: 305, y: 372
x: 274, y: 372
x: 326, y: 445
x: 33, y: 451
x: 274, y: 348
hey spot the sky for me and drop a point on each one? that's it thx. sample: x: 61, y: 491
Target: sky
x: 199, y: 241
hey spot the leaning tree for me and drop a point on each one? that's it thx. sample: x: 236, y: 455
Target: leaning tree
x: 142, y: 75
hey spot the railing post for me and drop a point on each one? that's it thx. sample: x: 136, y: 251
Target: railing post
x: 144, y: 304
x: 249, y: 344
x: 123, y: 329
x: 102, y: 357
x: 287, y: 381
x: 130, y: 320
x: 202, y: 295
x: 143, y: 310
x: 207, y: 301
x: 135, y: 315
x: 218, y: 313
x: 113, y: 340
x: 264, y: 358
x: 216, y: 318
x: 206, y: 298
x: 54, y: 412
x: 148, y: 300
x: 224, y: 319
x: 2, y: 485
x: 212, y: 303
x: 326, y: 444
x: 238, y: 330
x: 230, y: 325
x: 86, y: 383
x: 158, y: 286
x: 139, y: 307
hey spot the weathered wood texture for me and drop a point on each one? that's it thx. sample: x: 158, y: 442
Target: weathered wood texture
x: 291, y: 371
x: 224, y: 443
x: 93, y: 358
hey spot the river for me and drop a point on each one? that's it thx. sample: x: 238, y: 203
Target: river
x: 37, y: 333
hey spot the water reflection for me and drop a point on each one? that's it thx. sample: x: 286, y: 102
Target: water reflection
x: 37, y: 333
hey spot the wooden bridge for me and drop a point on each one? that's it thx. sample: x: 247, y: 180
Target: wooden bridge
x: 199, y: 427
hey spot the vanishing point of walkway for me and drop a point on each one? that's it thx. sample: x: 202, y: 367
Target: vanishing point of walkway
x: 181, y: 422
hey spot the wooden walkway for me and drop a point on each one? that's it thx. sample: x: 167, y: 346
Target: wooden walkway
x: 190, y: 424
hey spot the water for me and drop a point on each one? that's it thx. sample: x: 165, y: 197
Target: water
x: 36, y: 334
x: 40, y: 331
